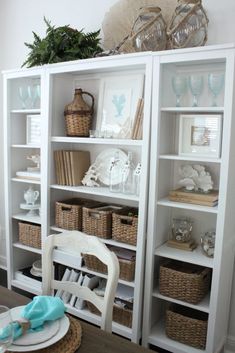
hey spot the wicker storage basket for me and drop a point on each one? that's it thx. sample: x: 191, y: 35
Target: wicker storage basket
x: 68, y: 213
x: 30, y: 234
x: 187, y: 326
x: 127, y: 267
x: 120, y: 315
x: 125, y: 225
x: 98, y: 221
x: 183, y: 281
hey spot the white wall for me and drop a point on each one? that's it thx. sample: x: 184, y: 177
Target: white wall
x: 19, y: 17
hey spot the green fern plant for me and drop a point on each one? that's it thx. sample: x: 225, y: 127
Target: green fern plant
x: 62, y: 44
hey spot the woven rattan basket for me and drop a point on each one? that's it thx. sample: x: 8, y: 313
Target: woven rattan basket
x: 187, y: 326
x: 68, y: 213
x: 98, y: 221
x: 30, y: 234
x: 125, y: 225
x: 127, y: 267
x: 120, y: 315
x: 183, y: 281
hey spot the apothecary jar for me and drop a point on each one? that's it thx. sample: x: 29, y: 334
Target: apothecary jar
x: 149, y: 30
x: 188, y: 27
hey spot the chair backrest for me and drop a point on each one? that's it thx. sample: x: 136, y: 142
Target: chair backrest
x: 78, y: 243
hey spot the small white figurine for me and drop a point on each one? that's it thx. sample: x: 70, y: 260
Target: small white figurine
x: 91, y: 176
x: 35, y: 158
x: 195, y: 178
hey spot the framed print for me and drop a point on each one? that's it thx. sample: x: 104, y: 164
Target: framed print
x: 33, y: 130
x: 200, y: 135
x: 118, y: 99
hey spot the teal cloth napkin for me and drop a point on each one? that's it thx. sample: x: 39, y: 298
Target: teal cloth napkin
x: 41, y: 309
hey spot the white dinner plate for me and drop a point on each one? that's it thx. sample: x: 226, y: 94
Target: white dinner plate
x: 53, y: 331
x: 103, y: 161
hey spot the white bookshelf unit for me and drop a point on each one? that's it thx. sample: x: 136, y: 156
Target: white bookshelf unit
x: 164, y: 176
x: 58, y: 82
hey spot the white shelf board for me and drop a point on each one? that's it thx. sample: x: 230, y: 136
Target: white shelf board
x: 26, y: 111
x: 85, y: 314
x: 98, y: 141
x: 28, y: 181
x: 100, y: 191
x: 158, y: 338
x: 194, y: 257
x: 187, y: 206
x: 25, y: 217
x: 27, y: 286
x: 202, y: 306
x: 106, y: 241
x: 193, y: 109
x: 28, y: 248
x: 25, y: 146
x: 176, y: 157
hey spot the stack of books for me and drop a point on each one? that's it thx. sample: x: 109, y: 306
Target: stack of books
x: 137, y: 130
x: 198, y: 198
x: 71, y: 166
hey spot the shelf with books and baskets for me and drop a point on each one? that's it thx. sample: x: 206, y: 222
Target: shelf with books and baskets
x: 190, y: 178
x: 96, y: 145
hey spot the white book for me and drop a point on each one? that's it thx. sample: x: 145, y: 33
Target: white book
x: 65, y: 277
x: 66, y: 296
x: 79, y: 281
x: 90, y: 282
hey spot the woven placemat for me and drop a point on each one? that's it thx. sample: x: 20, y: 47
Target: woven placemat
x: 69, y: 343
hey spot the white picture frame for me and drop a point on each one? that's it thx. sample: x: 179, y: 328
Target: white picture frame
x: 117, y: 103
x: 200, y: 135
x: 33, y: 129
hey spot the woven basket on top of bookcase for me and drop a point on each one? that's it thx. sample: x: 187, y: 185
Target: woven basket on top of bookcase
x: 30, y: 234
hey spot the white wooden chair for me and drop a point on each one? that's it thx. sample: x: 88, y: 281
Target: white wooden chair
x: 78, y: 242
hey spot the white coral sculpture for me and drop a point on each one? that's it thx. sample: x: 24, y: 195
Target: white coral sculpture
x: 91, y: 176
x: 196, y: 178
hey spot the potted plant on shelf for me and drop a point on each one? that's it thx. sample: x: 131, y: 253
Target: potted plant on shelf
x: 62, y: 44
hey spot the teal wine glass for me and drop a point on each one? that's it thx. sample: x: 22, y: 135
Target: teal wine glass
x: 6, y: 328
x: 179, y: 84
x: 196, y: 87
x: 23, y: 95
x: 215, y: 84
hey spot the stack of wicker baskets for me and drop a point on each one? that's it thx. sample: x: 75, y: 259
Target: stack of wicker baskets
x: 189, y: 283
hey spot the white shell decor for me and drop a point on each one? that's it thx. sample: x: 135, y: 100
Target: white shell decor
x: 118, y: 21
x: 91, y: 176
x: 195, y: 178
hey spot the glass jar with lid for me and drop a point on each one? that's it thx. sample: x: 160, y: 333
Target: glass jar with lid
x: 149, y: 30
x: 208, y: 243
x: 182, y: 229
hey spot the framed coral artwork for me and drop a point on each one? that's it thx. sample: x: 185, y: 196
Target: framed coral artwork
x: 118, y: 99
x: 200, y: 135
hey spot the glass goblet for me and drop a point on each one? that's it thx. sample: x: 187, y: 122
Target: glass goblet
x: 34, y: 94
x: 196, y: 86
x: 179, y: 84
x: 6, y: 328
x: 24, y: 95
x: 215, y: 83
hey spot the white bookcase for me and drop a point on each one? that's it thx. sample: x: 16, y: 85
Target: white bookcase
x: 58, y: 82
x: 164, y: 176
